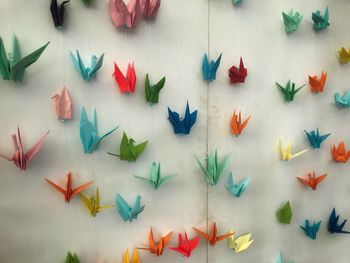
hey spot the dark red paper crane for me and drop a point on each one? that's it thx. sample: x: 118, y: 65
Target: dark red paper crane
x: 238, y: 75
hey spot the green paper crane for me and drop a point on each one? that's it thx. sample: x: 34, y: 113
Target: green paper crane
x: 71, y: 258
x: 129, y: 151
x: 214, y: 168
x: 284, y: 214
x: 320, y: 22
x: 289, y: 91
x: 156, y: 179
x: 13, y: 65
x: 87, y: 2
x: 152, y: 91
x: 237, y: 2
x: 291, y: 21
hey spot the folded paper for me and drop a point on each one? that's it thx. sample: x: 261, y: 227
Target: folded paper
x: 21, y: 158
x: 284, y: 214
x: 289, y: 90
x: 126, y: 83
x: 236, y: 123
x: 89, y: 72
x: 182, y: 125
x: 344, y: 55
x: 333, y: 224
x: 13, y: 65
x: 127, y: 212
x: 339, y: 153
x: 209, y: 68
x: 291, y: 21
x: 125, y: 16
x: 152, y: 91
x: 317, y: 84
x: 240, y: 243
x: 93, y: 203
x: 156, y: 180
x: 87, y: 2
x: 212, y: 238
x: 157, y: 248
x: 311, y: 180
x: 286, y: 151
x: 63, y: 105
x: 129, y: 151
x: 135, y: 257
x: 186, y: 246
x: 72, y: 258
x: 214, y: 169
x: 311, y: 230
x: 280, y: 259
x: 238, y: 74
x: 57, y: 12
x: 342, y: 101
x: 89, y: 132
x: 320, y: 21
x: 315, y: 139
x: 68, y: 192
x: 236, y: 189
x: 150, y: 8
x: 237, y: 2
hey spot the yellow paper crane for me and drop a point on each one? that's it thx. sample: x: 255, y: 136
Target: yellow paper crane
x: 240, y: 243
x: 135, y: 257
x: 93, y: 203
x: 344, y: 55
x: 286, y: 152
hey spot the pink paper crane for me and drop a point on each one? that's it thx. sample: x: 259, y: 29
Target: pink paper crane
x: 150, y: 8
x: 63, y: 105
x: 123, y: 15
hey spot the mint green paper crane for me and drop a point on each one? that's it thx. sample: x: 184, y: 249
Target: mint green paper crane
x: 129, y: 151
x: 13, y: 65
x: 236, y: 189
x: 289, y: 90
x: 320, y: 21
x: 284, y: 214
x: 156, y: 180
x: 214, y: 169
x: 71, y: 258
x: 152, y: 91
x: 291, y: 21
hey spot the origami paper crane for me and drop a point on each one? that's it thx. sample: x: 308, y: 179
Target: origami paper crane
x: 186, y: 246
x: 209, y: 68
x: 320, y: 21
x: 152, y: 91
x: 87, y: 2
x: 289, y: 90
x: 237, y: 2
x: 214, y: 169
x: 238, y: 75
x: 69, y: 192
x: 311, y: 230
x: 89, y: 72
x: 89, y: 132
x: 135, y: 257
x: 63, y: 105
x: 93, y: 203
x: 236, y: 189
x: 311, y: 180
x: 291, y: 21
x: 13, y: 65
x: 19, y: 157
x: 212, y: 238
x: 150, y: 8
x: 129, y: 151
x: 286, y: 152
x: 71, y: 258
x: 182, y: 125
x: 240, y: 243
x: 127, y: 212
x: 317, y: 85
x: 157, y: 248
x: 57, y: 12
x: 125, y: 16
x: 342, y: 101
x: 339, y: 153
x: 344, y: 55
x: 125, y: 84
x: 236, y: 123
x: 156, y: 180
x: 284, y: 214
x: 280, y: 260
x: 315, y: 139
x: 334, y: 226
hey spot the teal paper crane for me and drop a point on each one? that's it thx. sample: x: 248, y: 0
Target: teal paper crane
x: 291, y: 21
x: 320, y: 21
x: 236, y: 189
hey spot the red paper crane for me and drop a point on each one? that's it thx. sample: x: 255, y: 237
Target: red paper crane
x: 339, y: 153
x: 311, y: 180
x: 19, y: 157
x: 238, y: 75
x: 69, y: 193
x: 236, y: 123
x: 186, y: 246
x: 126, y: 84
x: 157, y: 248
x: 316, y: 84
x: 212, y: 238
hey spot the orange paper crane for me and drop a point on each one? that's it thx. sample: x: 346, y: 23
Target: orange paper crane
x: 157, y: 247
x: 311, y: 180
x: 339, y: 153
x: 69, y: 193
x: 212, y: 238
x: 236, y: 123
x: 317, y: 85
